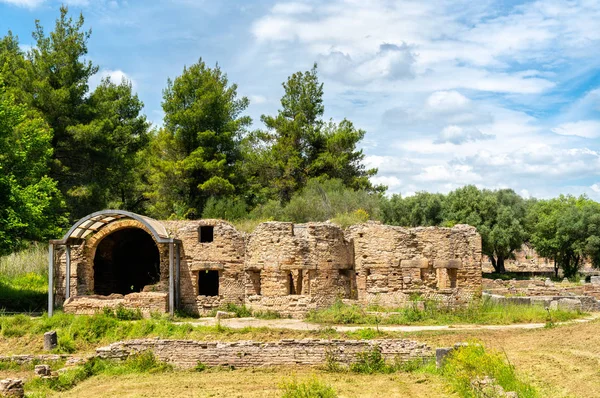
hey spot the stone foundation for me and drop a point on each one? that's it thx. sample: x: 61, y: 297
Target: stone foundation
x: 186, y: 354
x: 146, y: 302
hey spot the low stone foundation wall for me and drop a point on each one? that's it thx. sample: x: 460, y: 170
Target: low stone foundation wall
x: 572, y: 303
x: 147, y: 302
x: 186, y: 354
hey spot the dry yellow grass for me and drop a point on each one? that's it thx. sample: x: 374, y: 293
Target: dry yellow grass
x: 257, y: 383
x: 562, y: 361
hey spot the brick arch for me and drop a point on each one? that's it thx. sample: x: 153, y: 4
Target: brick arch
x: 92, y: 243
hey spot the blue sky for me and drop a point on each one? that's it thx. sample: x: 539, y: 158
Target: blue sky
x: 492, y: 93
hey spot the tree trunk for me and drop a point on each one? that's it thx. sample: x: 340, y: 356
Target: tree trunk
x: 500, y: 265
x: 556, y: 267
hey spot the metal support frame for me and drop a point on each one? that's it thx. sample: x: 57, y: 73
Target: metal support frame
x: 68, y: 272
x: 178, y: 275
x: 50, y: 279
x: 171, y: 281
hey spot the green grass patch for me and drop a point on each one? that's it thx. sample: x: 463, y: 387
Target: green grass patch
x: 472, y: 362
x: 241, y: 311
x: 482, y: 312
x: 144, y: 362
x: 24, y: 280
x: 312, y: 388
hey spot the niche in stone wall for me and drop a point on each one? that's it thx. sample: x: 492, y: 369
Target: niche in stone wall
x: 208, y: 283
x: 253, y: 282
x: 206, y: 234
x: 294, y: 282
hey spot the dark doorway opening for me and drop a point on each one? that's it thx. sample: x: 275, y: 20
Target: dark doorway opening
x: 208, y: 283
x: 125, y: 262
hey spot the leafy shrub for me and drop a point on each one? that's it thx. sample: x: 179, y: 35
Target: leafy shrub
x: 370, y: 362
x: 230, y: 209
x: 473, y: 361
x: 309, y: 389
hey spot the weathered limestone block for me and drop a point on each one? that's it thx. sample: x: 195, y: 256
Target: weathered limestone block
x: 42, y: 370
x: 569, y: 304
x: 12, y: 388
x: 50, y: 340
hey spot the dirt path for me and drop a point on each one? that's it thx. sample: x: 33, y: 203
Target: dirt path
x: 298, y: 324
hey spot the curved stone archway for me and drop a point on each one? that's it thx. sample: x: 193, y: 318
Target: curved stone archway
x: 125, y: 262
x: 126, y: 252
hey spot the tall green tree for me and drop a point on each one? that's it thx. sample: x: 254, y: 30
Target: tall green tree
x: 32, y: 207
x: 196, y: 155
x: 421, y: 209
x: 97, y: 136
x: 298, y: 145
x: 567, y: 230
x: 499, y: 217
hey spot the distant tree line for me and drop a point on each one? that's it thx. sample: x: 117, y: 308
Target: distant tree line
x: 66, y: 151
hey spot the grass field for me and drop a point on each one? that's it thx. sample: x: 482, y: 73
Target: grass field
x: 481, y: 312
x: 24, y: 280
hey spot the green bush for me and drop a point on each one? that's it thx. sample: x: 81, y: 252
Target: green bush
x: 370, y: 362
x: 230, y: 209
x: 472, y: 361
x: 309, y: 389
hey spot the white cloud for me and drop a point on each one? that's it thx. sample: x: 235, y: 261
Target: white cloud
x: 115, y: 76
x: 596, y: 187
x: 291, y: 8
x: 458, y: 135
x: 257, y: 99
x: 447, y: 102
x: 582, y: 128
x: 24, y: 3
x: 390, y: 62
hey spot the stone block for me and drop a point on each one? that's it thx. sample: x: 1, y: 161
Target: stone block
x: 548, y: 282
x: 421, y: 263
x: 448, y: 264
x: 50, y: 340
x: 42, y: 370
x: 12, y: 388
x: 569, y: 304
x: 225, y: 315
x: 441, y: 354
x: 595, y: 280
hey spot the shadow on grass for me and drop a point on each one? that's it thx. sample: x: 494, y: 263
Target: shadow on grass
x: 26, y: 293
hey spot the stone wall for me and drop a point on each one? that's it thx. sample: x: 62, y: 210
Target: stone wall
x: 224, y: 254
x: 312, y: 352
x: 393, y: 263
x: 292, y: 269
x: 147, y: 302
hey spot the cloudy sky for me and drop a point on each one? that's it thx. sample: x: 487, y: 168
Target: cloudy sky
x: 492, y: 93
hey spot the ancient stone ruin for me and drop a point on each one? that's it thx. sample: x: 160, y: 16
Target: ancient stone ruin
x: 117, y: 258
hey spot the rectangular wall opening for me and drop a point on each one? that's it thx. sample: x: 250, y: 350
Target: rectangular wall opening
x: 208, y: 283
x: 291, y: 287
x: 206, y: 233
x: 452, y: 274
x: 254, y: 282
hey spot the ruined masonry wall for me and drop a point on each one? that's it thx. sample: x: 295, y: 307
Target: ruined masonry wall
x: 224, y: 254
x: 312, y: 352
x: 295, y: 268
x: 393, y: 263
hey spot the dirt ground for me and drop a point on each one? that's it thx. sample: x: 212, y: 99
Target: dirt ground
x: 563, y: 361
x: 258, y: 383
